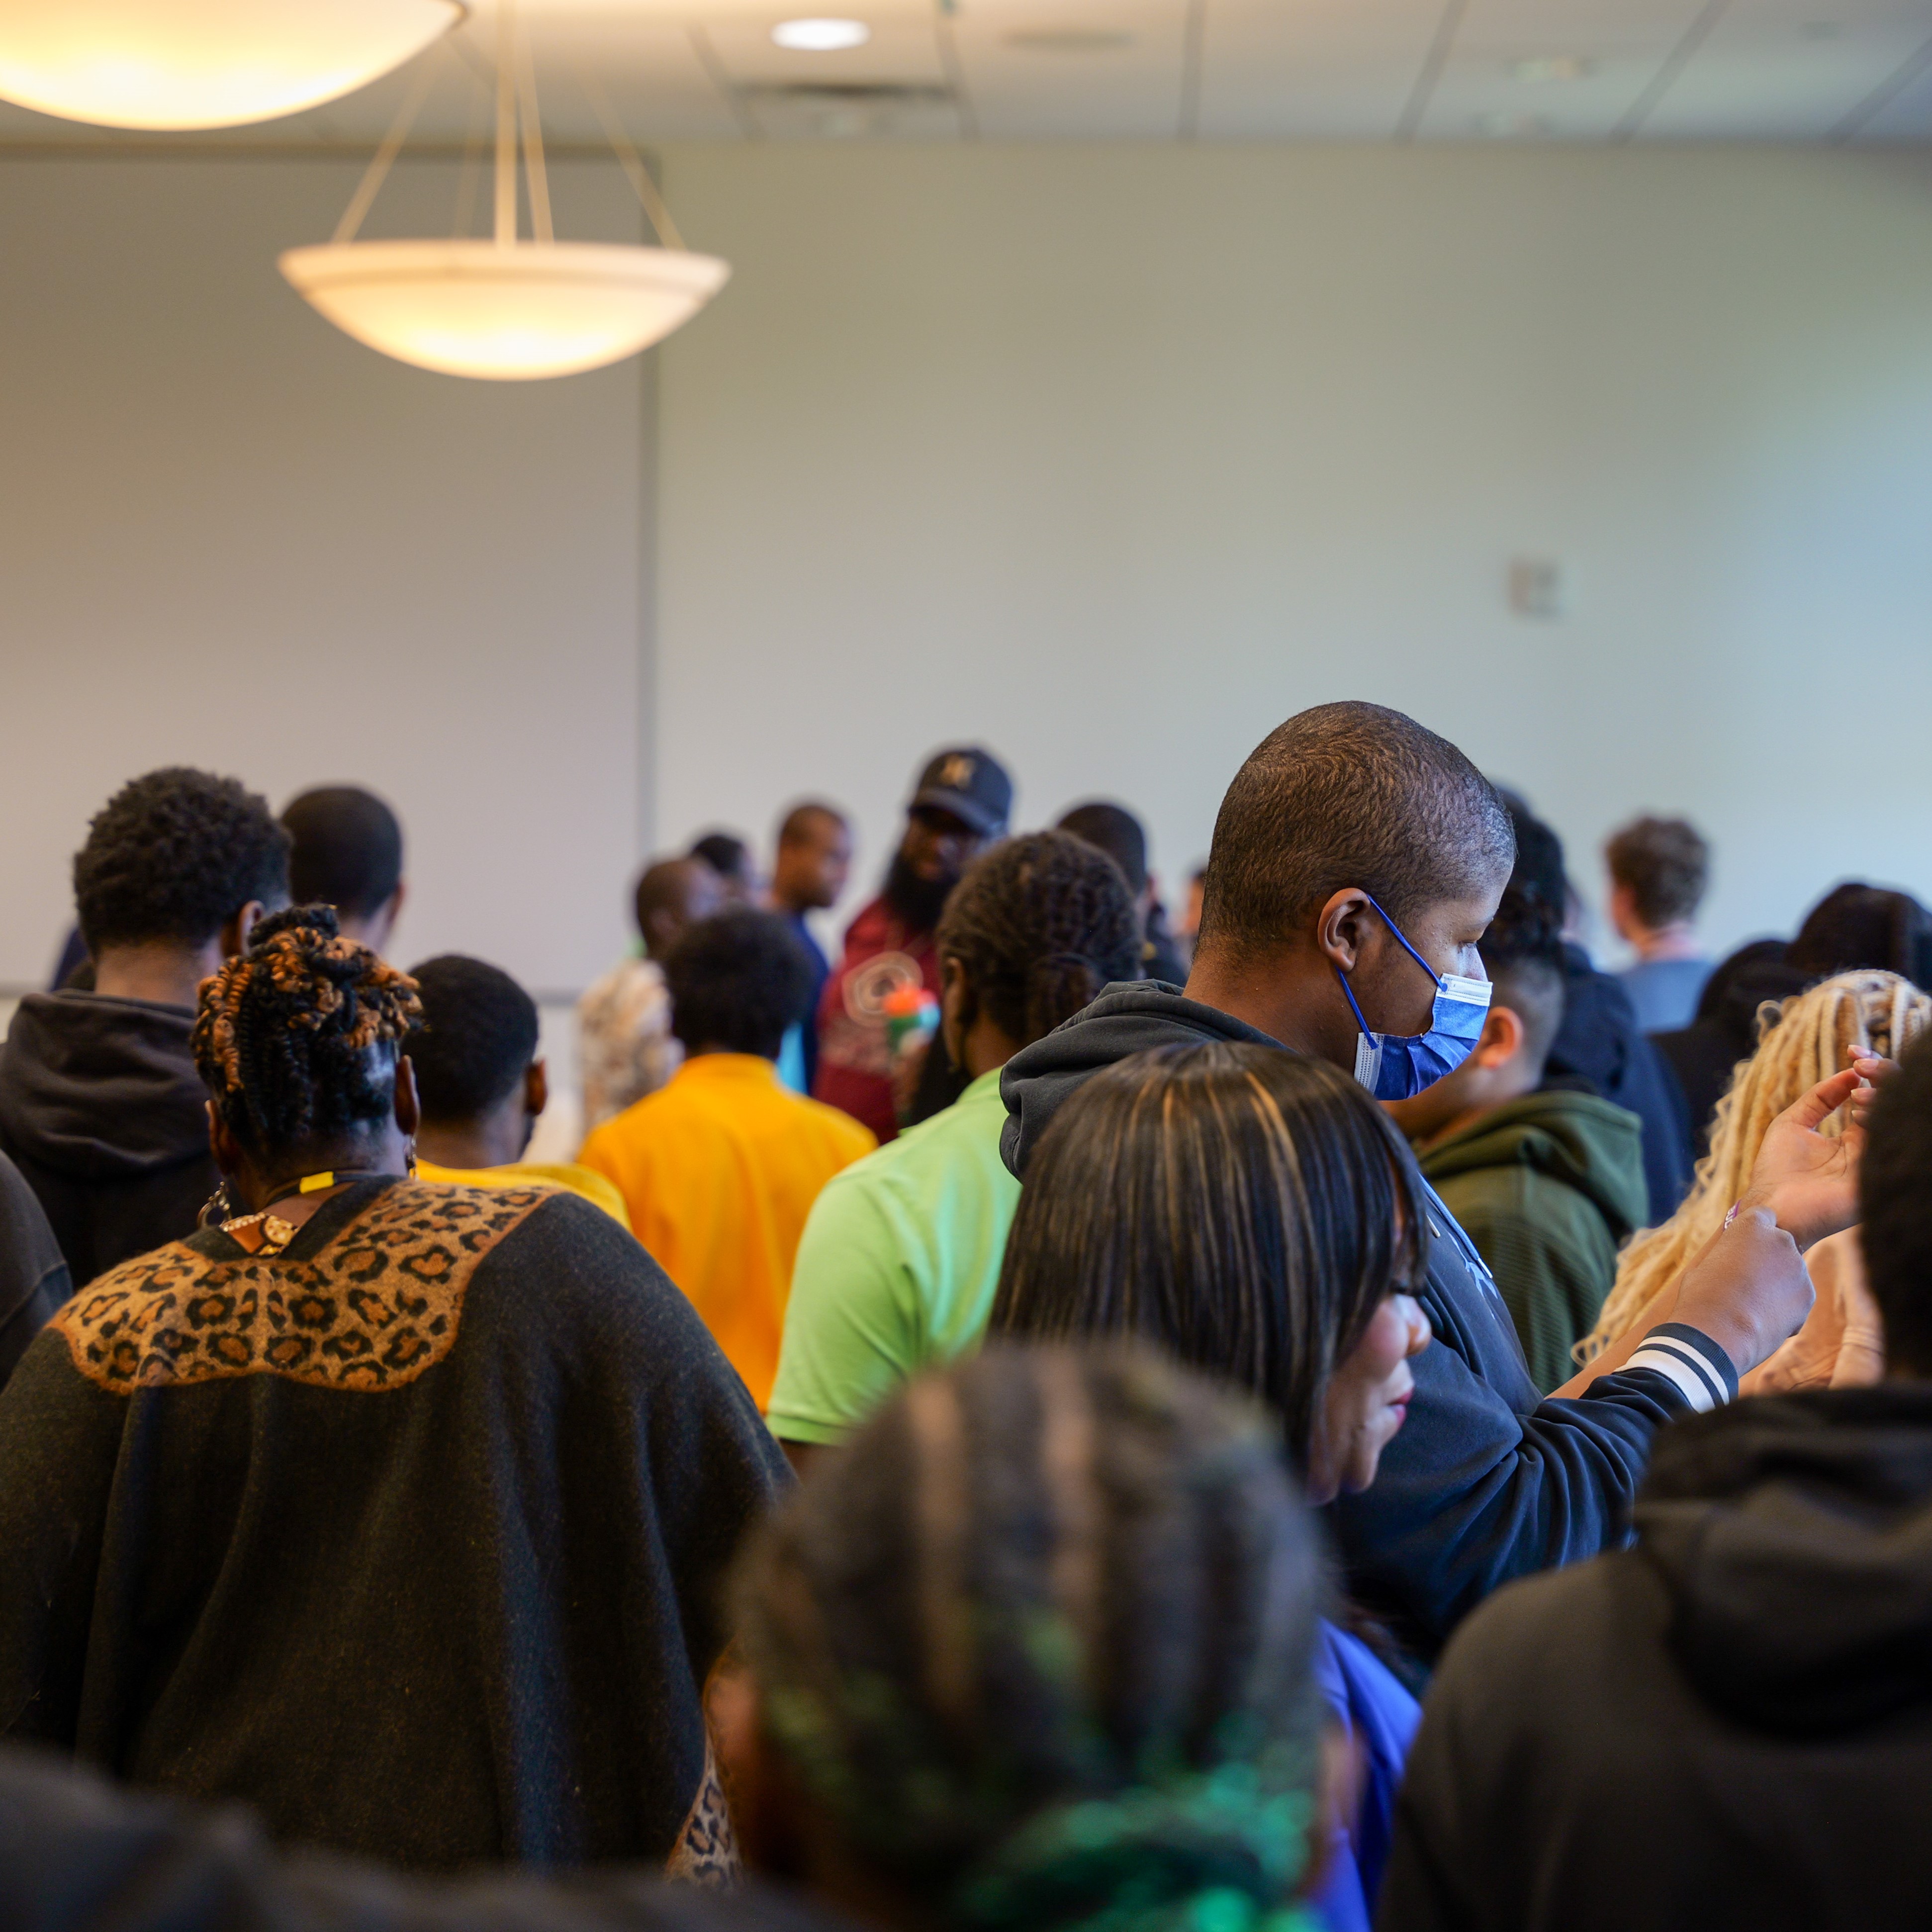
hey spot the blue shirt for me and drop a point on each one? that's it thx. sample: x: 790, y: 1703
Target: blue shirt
x: 1664, y: 992
x: 821, y: 969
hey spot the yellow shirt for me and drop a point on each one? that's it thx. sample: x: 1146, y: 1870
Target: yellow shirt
x: 565, y: 1173
x: 719, y: 1169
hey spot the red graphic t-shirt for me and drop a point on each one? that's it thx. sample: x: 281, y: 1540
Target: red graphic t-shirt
x: 881, y: 955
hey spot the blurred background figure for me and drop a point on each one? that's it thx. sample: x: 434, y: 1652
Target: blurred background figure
x: 625, y: 1045
x: 1115, y: 831
x: 731, y: 858
x: 720, y: 1167
x: 960, y: 802
x: 346, y: 850
x: 482, y: 1085
x: 1599, y: 1041
x: 1660, y: 869
x: 1187, y: 926
x: 811, y: 862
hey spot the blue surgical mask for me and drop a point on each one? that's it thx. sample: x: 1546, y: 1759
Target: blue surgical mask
x: 1395, y: 1067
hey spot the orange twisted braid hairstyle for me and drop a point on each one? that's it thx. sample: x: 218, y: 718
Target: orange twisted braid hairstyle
x: 287, y: 1036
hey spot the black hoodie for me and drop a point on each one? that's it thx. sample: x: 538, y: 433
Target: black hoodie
x: 1487, y: 1480
x: 101, y: 1109
x: 1730, y: 1724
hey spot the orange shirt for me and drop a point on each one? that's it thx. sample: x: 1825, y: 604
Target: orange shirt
x: 719, y: 1169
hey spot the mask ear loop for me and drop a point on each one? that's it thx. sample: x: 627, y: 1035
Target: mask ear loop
x: 1435, y: 978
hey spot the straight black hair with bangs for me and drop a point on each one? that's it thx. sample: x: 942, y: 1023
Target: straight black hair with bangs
x: 1245, y: 1209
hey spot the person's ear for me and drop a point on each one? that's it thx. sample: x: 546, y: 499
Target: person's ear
x: 536, y: 1088
x: 408, y: 1108
x: 1342, y: 925
x: 222, y: 1143
x: 1501, y: 1039
x: 235, y: 931
x: 956, y: 1008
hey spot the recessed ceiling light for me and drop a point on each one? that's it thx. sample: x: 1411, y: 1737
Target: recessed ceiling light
x: 1545, y: 68
x: 1070, y: 40
x: 820, y: 36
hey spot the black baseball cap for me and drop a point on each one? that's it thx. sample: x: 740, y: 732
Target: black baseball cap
x: 970, y: 783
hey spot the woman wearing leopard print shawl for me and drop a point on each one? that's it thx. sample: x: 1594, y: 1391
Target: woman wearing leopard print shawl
x: 397, y: 1510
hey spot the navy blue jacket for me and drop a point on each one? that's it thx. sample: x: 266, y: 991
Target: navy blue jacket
x: 1487, y: 1479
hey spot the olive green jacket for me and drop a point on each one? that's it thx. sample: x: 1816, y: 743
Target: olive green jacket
x: 1547, y: 1187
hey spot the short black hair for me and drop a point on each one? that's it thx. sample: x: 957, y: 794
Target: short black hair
x: 1895, y: 1210
x: 725, y: 853
x: 1664, y: 863
x: 475, y: 1040
x: 1857, y: 928
x: 348, y: 849
x: 1539, y: 874
x: 796, y: 825
x: 737, y: 982
x: 174, y: 856
x: 1522, y: 953
x: 1348, y: 795
x: 1115, y: 831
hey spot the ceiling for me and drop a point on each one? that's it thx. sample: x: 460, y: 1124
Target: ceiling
x: 1574, y: 70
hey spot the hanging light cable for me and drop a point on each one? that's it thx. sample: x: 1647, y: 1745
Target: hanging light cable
x: 204, y: 63
x: 506, y: 309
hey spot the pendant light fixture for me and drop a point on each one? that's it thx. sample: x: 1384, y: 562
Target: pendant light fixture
x: 177, y: 64
x: 507, y: 310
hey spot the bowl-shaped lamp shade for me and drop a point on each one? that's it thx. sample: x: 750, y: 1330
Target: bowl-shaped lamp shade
x: 203, y: 63
x: 511, y: 312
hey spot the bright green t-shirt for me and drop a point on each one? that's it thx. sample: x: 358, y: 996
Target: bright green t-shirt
x: 897, y: 1269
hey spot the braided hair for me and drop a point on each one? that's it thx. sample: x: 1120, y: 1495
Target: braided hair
x: 1039, y: 924
x: 296, y: 1039
x: 1040, y: 1643
x: 1801, y: 1042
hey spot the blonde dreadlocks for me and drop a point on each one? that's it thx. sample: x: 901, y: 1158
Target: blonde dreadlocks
x: 1801, y: 1042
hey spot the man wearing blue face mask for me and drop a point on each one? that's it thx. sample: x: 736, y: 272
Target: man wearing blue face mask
x: 1358, y: 859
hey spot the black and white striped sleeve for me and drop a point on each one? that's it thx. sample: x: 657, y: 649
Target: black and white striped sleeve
x: 1686, y: 1358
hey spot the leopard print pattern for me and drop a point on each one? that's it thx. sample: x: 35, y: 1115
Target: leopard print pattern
x: 707, y: 1851
x: 375, y: 1307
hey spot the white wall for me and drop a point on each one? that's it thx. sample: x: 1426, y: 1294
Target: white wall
x: 230, y: 536
x: 1114, y: 457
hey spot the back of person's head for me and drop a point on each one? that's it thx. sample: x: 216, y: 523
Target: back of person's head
x: 810, y: 819
x: 1522, y: 953
x: 1801, y: 1042
x: 727, y: 855
x: 1895, y: 1212
x: 1347, y: 795
x: 296, y: 1039
x: 1038, y: 924
x: 736, y: 983
x: 1538, y: 874
x: 669, y: 895
x: 1857, y: 926
x: 1117, y: 832
x: 348, y: 850
x: 173, y: 857
x: 1246, y: 1209
x: 1037, y: 1646
x: 1664, y: 864
x: 475, y: 1041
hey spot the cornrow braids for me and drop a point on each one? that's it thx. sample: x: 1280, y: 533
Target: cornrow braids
x: 1039, y: 924
x: 1801, y: 1042
x: 283, y: 1040
x: 1040, y: 1643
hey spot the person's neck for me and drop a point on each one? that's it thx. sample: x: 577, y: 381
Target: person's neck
x: 261, y: 1182
x: 494, y: 1139
x: 160, y: 972
x: 1665, y: 942
x: 1290, y: 998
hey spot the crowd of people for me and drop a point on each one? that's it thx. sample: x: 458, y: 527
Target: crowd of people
x: 1325, y: 1409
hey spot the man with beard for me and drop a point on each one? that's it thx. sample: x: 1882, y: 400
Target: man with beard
x: 960, y: 805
